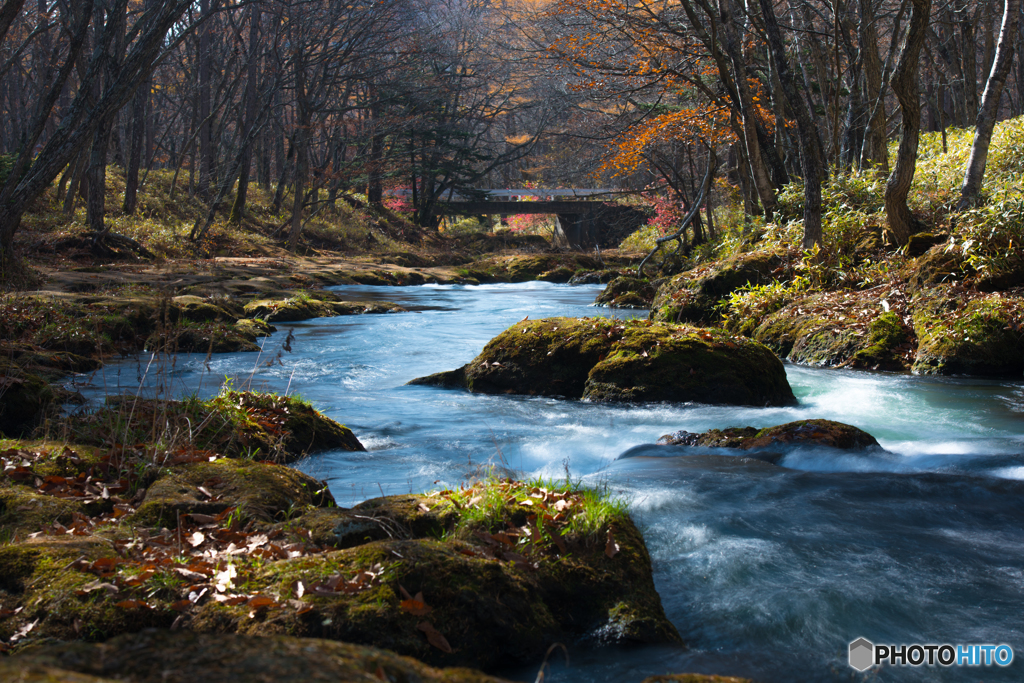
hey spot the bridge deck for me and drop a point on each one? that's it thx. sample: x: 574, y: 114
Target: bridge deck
x: 512, y: 208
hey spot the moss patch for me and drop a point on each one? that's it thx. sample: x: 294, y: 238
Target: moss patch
x: 304, y: 308
x: 251, y: 424
x: 262, y: 491
x: 627, y: 292
x: 694, y: 295
x: 844, y: 328
x: 969, y: 333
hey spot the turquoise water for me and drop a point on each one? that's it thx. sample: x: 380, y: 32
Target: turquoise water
x: 767, y: 571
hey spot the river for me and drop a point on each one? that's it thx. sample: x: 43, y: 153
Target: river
x: 767, y: 571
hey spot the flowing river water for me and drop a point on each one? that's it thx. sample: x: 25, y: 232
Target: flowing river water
x: 767, y: 571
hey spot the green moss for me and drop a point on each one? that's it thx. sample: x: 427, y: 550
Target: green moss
x: 637, y: 360
x: 984, y: 336
x: 259, y: 490
x: 695, y: 295
x: 232, y: 424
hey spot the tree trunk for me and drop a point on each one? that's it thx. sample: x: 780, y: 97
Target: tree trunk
x: 205, y: 107
x: 138, y: 136
x: 238, y: 208
x: 810, y: 150
x: 762, y: 182
x: 904, y: 84
x: 989, y: 111
x: 876, y: 150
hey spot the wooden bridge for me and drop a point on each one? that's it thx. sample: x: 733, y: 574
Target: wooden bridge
x: 584, y: 219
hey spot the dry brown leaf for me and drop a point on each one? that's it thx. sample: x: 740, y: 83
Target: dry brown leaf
x: 434, y: 636
x: 611, y: 548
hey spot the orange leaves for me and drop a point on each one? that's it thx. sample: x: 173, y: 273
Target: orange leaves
x: 414, y: 605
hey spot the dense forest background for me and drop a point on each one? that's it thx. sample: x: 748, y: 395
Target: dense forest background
x: 318, y: 102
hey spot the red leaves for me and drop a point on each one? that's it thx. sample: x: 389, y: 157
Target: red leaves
x: 414, y: 605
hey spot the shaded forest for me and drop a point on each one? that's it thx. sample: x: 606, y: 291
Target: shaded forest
x: 319, y: 102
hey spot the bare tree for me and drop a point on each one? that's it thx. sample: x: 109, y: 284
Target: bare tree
x: 989, y: 111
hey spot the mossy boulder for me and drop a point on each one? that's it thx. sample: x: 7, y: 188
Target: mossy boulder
x: 197, y: 309
x: 159, y: 656
x: 937, y: 265
x: 839, y: 329
x: 800, y: 433
x: 693, y: 296
x: 489, y: 609
x: 23, y: 511
x: 261, y: 426
x: 982, y: 336
x: 634, y: 361
x: 594, y: 277
x: 262, y: 491
x: 210, y: 337
x: 25, y: 400
x: 305, y: 308
x: 627, y: 292
x: 494, y: 580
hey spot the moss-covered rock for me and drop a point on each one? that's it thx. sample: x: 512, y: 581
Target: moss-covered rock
x: 154, y: 656
x: 282, y: 429
x: 800, y: 433
x: 23, y: 511
x: 637, y: 361
x: 982, y: 336
x: 936, y: 266
x: 627, y: 292
x: 210, y: 337
x: 839, y: 329
x: 594, y: 277
x: 25, y: 400
x: 262, y: 491
x: 693, y: 296
x: 305, y: 308
x: 197, y: 309
x: 493, y: 580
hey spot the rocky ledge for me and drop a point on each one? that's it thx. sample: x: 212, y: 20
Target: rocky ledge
x: 633, y: 361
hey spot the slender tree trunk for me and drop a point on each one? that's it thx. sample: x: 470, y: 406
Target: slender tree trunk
x: 989, y: 111
x: 762, y: 182
x: 904, y: 84
x: 137, y: 136
x: 876, y: 149
x: 810, y: 150
x: 238, y: 208
x: 205, y: 107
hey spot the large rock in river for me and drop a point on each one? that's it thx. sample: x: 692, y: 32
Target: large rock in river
x: 634, y: 361
x: 800, y: 433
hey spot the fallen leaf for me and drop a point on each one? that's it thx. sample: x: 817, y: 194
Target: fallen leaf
x: 611, y: 548
x: 416, y: 606
x: 132, y: 604
x: 196, y: 539
x: 434, y: 636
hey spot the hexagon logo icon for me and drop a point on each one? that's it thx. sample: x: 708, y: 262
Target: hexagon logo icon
x: 862, y: 654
